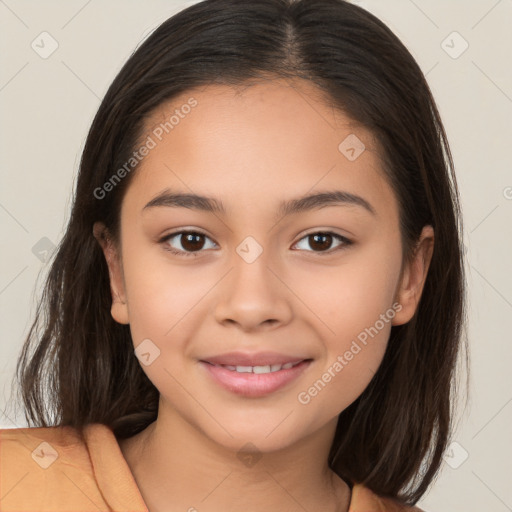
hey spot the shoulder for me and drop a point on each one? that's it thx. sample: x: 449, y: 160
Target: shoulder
x: 43, y: 446
x: 23, y: 447
x: 365, y: 500
x: 46, y: 467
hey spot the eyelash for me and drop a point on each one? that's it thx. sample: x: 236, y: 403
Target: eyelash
x: 166, y: 238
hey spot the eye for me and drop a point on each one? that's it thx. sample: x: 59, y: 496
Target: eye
x: 322, y: 240
x: 190, y: 243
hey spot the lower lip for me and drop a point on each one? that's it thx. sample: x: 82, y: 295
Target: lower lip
x: 254, y: 384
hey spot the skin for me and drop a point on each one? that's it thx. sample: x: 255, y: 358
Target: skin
x: 252, y: 148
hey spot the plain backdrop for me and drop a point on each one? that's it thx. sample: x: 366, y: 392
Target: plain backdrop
x: 464, y: 47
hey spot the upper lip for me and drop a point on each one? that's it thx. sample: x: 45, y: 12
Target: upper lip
x: 254, y: 359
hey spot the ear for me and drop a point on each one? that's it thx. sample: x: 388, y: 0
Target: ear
x: 413, y: 278
x: 119, y: 309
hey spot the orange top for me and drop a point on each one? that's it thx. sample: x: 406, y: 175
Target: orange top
x: 51, y: 469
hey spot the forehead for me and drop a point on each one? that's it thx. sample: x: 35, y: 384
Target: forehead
x: 257, y: 143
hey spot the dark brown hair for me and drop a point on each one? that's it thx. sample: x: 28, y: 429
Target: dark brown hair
x: 78, y: 366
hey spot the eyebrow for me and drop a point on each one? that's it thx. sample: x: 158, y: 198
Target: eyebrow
x: 292, y: 206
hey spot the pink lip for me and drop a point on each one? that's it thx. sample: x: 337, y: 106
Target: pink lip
x: 254, y: 384
x: 254, y: 359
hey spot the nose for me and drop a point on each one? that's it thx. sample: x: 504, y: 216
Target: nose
x: 253, y: 296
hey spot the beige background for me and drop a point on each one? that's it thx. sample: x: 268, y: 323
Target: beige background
x: 48, y: 104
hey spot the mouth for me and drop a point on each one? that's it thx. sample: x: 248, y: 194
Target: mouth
x: 255, y: 380
x: 271, y: 368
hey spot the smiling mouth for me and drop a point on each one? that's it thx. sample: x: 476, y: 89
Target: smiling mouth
x: 258, y: 369
x: 255, y: 381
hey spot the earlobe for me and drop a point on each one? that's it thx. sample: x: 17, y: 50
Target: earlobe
x: 414, y: 277
x: 119, y: 309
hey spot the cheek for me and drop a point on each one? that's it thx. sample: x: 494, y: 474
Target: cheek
x: 159, y: 299
x: 165, y: 302
x: 353, y: 306
x: 353, y: 354
x: 351, y: 296
x: 165, y: 299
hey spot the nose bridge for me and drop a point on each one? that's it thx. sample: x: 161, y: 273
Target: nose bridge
x: 251, y: 293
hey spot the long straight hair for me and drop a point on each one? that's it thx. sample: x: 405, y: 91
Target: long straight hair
x: 77, y: 365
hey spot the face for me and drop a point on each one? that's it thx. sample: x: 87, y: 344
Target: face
x: 317, y: 281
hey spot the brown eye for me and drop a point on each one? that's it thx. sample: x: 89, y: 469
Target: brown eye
x: 321, y: 241
x: 188, y: 242
x: 192, y: 241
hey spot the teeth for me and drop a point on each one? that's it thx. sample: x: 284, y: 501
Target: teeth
x: 244, y: 369
x: 260, y: 369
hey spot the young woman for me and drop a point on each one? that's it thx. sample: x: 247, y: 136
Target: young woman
x: 259, y: 299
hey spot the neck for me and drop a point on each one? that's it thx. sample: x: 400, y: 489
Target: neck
x: 177, y: 467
